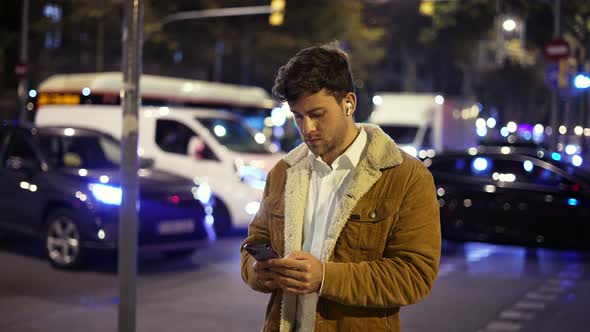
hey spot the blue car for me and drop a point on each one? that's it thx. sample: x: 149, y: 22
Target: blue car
x: 62, y: 185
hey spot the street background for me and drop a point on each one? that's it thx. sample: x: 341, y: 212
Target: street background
x: 481, y: 288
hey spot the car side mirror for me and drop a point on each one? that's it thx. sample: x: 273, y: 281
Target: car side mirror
x: 146, y: 162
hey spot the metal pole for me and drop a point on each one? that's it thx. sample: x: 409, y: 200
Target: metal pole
x: 23, y: 59
x: 553, y: 120
x: 209, y: 13
x: 127, y: 243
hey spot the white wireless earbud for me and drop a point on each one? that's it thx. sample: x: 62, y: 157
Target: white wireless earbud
x: 348, y: 108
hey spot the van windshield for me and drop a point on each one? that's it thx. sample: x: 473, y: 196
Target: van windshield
x: 401, y: 134
x: 84, y: 151
x: 233, y: 134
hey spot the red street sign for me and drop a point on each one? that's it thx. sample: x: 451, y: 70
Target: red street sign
x: 557, y: 49
x: 21, y: 70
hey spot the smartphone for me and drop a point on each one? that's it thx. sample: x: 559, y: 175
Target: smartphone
x: 261, y: 252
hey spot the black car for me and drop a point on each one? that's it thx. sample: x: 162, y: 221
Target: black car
x: 513, y: 198
x: 62, y: 184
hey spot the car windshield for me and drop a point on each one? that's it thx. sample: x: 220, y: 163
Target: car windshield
x: 80, y: 151
x: 401, y: 134
x: 234, y: 135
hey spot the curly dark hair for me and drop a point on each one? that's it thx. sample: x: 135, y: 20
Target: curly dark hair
x: 312, y: 69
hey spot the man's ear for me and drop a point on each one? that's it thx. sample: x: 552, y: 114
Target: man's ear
x: 349, y: 103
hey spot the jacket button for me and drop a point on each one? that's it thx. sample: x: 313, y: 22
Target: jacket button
x: 372, y: 215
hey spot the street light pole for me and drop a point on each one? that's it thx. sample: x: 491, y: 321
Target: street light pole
x: 132, y: 43
x: 23, y: 59
x: 553, y: 120
x: 127, y: 243
x: 209, y: 13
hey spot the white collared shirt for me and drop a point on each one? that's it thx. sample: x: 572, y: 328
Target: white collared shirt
x: 327, y: 187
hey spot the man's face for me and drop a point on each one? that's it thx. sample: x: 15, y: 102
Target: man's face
x: 323, y: 124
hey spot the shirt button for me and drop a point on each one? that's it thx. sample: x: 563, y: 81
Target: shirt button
x: 372, y: 215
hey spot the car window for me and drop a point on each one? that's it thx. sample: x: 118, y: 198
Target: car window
x: 176, y: 137
x: 234, y: 135
x: 20, y: 147
x: 499, y: 169
x: 401, y: 134
x: 524, y: 171
x: 83, y: 151
x: 450, y: 165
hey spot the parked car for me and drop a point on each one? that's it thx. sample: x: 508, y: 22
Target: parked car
x: 189, y: 128
x: 62, y: 184
x: 512, y: 198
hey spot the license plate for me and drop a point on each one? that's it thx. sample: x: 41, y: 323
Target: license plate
x: 180, y: 226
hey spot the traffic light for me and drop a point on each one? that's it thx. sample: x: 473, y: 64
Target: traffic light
x: 277, y: 14
x: 427, y: 8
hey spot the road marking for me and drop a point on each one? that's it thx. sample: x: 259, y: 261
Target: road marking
x: 530, y: 305
x: 516, y: 315
x: 551, y: 289
x: 513, y: 318
x: 502, y: 326
x: 541, y: 297
x: 554, y: 281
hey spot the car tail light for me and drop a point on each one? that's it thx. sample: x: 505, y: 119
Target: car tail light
x: 174, y: 199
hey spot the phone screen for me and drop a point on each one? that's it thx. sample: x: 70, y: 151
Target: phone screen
x: 261, y: 252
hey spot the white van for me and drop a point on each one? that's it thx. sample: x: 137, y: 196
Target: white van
x: 204, y: 144
x: 420, y: 122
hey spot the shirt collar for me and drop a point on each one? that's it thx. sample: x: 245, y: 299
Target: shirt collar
x: 349, y: 159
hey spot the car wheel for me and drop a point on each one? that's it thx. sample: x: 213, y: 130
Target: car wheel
x: 180, y: 253
x: 221, y: 219
x: 62, y: 240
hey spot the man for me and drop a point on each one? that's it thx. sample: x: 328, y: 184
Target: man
x: 354, y: 218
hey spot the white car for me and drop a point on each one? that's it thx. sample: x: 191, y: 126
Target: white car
x: 205, y: 145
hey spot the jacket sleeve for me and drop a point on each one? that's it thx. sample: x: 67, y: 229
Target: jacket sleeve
x: 258, y: 233
x: 406, y: 272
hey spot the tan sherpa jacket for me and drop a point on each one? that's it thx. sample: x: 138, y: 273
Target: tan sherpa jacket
x: 382, y: 249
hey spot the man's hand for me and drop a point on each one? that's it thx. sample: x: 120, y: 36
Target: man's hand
x: 263, y: 274
x: 299, y: 273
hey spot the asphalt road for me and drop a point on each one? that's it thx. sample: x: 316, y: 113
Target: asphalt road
x: 481, y: 288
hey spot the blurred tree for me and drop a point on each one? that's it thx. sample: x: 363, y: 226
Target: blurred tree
x: 10, y: 43
x: 309, y: 22
x: 403, y: 67
x: 237, y: 49
x: 9, y: 34
x: 250, y: 51
x: 516, y: 88
x: 243, y: 50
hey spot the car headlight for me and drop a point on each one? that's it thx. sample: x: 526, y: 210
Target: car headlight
x: 106, y: 194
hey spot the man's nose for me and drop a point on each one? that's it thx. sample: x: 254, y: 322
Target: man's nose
x: 308, y: 126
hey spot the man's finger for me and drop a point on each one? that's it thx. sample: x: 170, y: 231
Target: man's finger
x: 291, y: 273
x: 290, y: 263
x: 298, y: 255
x: 287, y: 282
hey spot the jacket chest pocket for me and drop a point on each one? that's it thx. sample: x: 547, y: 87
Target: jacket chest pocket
x: 367, y: 229
x: 276, y: 214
